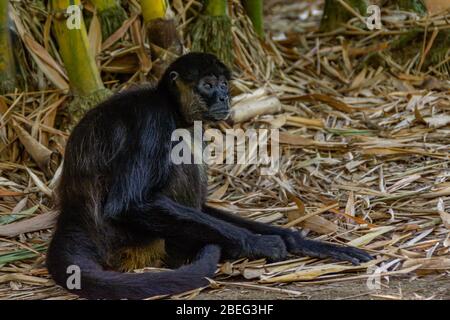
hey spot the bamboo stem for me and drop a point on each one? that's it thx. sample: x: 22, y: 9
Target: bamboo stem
x: 216, y: 8
x: 254, y: 9
x: 334, y: 13
x: 212, y: 31
x: 84, y: 77
x: 413, y: 5
x: 111, y: 15
x: 153, y: 9
x: 102, y: 5
x: 7, y: 71
x: 162, y: 30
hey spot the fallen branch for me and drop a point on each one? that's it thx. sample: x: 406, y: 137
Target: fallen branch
x: 248, y: 106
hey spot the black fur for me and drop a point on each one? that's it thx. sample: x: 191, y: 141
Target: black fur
x: 119, y: 189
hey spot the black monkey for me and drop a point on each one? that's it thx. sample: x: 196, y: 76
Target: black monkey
x: 124, y: 204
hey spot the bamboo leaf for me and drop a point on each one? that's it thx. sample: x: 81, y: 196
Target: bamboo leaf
x: 365, y: 239
x: 17, y: 216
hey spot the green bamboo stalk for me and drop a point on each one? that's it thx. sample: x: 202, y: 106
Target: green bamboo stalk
x: 413, y: 5
x: 212, y: 31
x: 7, y: 71
x: 153, y: 9
x: 334, y: 14
x: 162, y: 30
x: 407, y: 45
x: 254, y: 9
x: 84, y: 77
x: 215, y: 8
x: 111, y: 15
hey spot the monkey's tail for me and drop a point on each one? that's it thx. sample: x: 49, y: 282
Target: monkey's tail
x: 96, y: 283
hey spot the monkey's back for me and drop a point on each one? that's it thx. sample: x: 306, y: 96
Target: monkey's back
x: 126, y: 131
x: 120, y: 130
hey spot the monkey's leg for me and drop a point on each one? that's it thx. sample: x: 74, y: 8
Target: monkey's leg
x: 295, y: 243
x: 179, y: 253
x: 170, y: 220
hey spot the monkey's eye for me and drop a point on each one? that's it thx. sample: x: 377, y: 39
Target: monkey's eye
x: 207, y: 86
x: 224, y: 85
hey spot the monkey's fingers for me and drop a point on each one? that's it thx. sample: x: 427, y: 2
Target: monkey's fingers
x: 326, y: 250
x: 270, y: 247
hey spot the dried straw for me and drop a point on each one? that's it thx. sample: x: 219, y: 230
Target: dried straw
x: 364, y: 146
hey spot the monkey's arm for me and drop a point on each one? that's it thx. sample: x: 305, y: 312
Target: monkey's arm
x: 254, y: 226
x: 295, y: 243
x: 168, y: 219
x: 142, y: 163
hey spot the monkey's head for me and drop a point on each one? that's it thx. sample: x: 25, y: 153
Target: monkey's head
x: 199, y: 83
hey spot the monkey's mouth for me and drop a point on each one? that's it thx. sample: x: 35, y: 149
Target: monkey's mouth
x: 222, y: 115
x: 220, y: 112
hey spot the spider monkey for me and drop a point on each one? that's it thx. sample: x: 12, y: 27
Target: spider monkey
x: 124, y: 205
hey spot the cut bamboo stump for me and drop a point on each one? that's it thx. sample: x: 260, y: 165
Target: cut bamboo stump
x: 248, y: 106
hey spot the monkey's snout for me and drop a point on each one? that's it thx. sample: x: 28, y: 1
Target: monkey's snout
x: 220, y: 111
x: 221, y: 116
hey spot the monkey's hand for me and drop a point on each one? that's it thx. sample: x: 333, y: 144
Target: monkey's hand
x: 265, y: 246
x: 298, y: 245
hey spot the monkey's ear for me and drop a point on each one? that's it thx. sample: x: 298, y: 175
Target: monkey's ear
x: 173, y: 75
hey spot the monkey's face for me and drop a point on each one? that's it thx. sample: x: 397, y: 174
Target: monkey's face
x: 199, y: 81
x: 214, y: 92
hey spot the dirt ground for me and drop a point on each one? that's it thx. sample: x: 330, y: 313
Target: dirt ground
x: 408, y: 287
x: 436, y: 287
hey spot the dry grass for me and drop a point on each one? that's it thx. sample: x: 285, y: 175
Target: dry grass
x: 365, y: 143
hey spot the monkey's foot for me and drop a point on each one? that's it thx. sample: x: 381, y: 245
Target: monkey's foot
x: 266, y: 246
x: 298, y: 245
